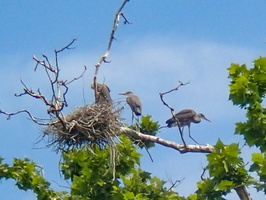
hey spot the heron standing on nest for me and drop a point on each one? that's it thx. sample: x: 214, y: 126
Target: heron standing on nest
x: 103, y: 94
x: 134, y: 102
x: 184, y: 118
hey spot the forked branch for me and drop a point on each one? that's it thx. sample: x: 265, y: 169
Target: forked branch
x: 57, y: 101
x: 23, y: 111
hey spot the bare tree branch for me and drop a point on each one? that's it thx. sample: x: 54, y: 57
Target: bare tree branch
x: 59, y: 90
x: 66, y: 47
x: 175, y: 184
x: 112, y: 37
x: 25, y: 111
x: 202, y: 174
x: 125, y: 19
x: 174, y: 89
x: 77, y: 78
x: 181, y: 148
x: 31, y: 93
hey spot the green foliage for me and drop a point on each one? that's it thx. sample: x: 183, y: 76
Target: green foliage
x: 111, y: 172
x: 226, y: 171
x: 28, y: 178
x: 94, y: 177
x: 141, y: 185
x: 248, y: 89
x: 259, y: 166
x: 114, y: 172
x: 149, y: 127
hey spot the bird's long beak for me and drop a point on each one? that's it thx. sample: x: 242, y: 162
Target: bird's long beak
x: 121, y: 93
x: 203, y: 117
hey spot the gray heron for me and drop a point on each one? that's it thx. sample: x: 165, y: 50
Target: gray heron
x: 103, y: 94
x: 185, y: 117
x: 134, y: 103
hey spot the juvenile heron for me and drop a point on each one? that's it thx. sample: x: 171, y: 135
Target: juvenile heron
x: 134, y: 102
x: 103, y: 94
x: 185, y: 117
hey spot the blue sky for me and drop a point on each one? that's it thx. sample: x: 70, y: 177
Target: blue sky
x: 168, y: 41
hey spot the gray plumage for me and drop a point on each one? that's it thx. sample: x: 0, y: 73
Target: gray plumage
x: 134, y: 102
x: 103, y: 94
x: 185, y: 117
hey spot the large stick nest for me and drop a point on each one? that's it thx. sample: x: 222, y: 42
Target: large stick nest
x: 95, y: 124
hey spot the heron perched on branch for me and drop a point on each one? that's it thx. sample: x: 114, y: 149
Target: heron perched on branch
x: 134, y: 102
x: 184, y: 118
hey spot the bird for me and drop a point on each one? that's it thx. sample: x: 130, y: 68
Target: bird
x: 134, y: 102
x: 103, y: 94
x: 185, y: 117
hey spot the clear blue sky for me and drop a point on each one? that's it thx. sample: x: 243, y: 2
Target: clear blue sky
x: 168, y: 41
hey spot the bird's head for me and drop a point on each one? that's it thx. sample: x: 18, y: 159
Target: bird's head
x: 126, y: 93
x: 203, y: 117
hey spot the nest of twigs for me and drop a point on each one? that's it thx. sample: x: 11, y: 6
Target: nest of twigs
x: 95, y: 124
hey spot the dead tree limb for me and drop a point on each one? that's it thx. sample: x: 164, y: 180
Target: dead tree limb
x: 181, y: 148
x: 23, y: 111
x: 57, y: 101
x: 103, y: 58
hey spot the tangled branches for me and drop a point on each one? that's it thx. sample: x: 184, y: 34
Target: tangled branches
x: 92, y: 124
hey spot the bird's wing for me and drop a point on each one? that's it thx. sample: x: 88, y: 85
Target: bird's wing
x: 185, y: 114
x: 135, y: 104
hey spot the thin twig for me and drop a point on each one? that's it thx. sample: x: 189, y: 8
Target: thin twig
x: 41, y: 169
x: 58, y: 100
x: 77, y: 78
x: 31, y: 93
x: 175, y: 184
x: 125, y: 19
x: 203, y: 172
x: 67, y: 46
x: 26, y: 111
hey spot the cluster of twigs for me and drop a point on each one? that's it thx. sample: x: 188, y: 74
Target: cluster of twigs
x: 59, y: 88
x: 95, y: 124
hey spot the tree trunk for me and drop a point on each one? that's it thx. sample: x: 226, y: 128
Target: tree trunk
x: 242, y: 193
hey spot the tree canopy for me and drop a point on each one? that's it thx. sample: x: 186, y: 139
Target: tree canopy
x: 105, y: 164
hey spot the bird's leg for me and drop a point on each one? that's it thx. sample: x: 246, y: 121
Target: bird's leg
x: 190, y: 135
x: 137, y: 123
x: 132, y: 118
x: 181, y: 134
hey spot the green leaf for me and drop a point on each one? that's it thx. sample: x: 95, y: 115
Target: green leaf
x: 257, y: 158
x: 129, y: 196
x: 226, y: 185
